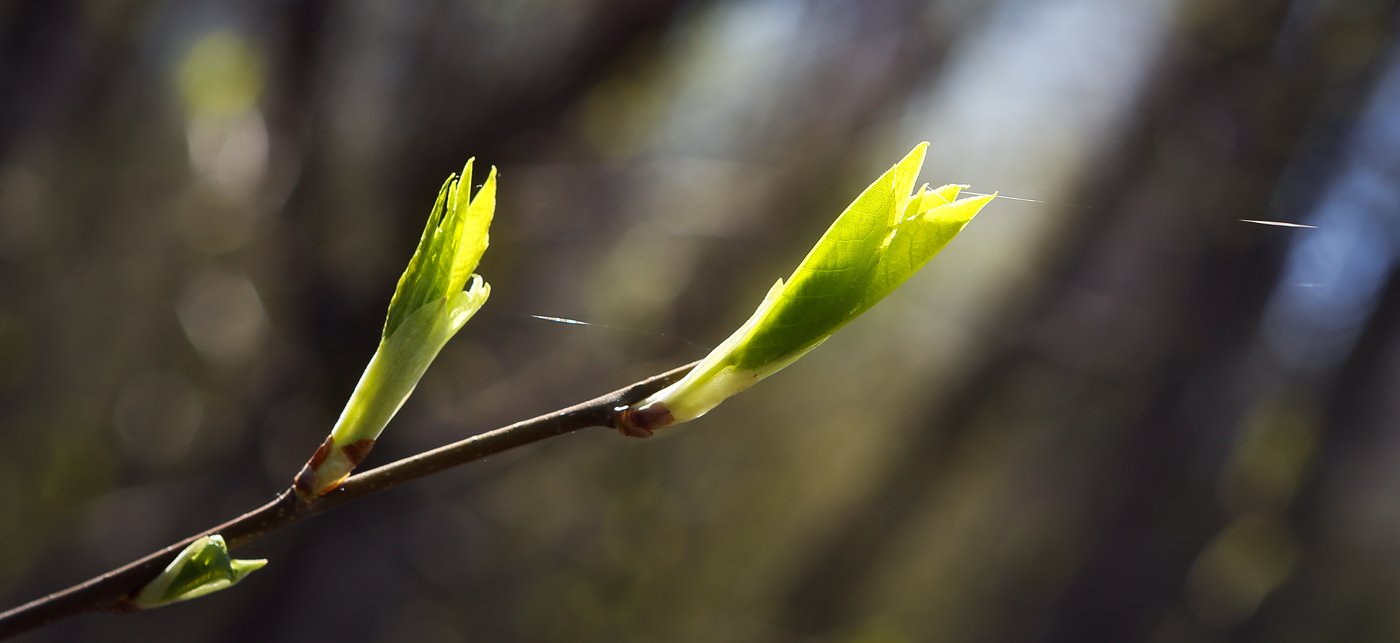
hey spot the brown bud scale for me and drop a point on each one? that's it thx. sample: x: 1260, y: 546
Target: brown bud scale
x: 641, y: 423
x: 356, y: 452
x: 305, y: 482
x: 323, y: 452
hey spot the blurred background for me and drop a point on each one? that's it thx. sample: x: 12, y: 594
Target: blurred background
x: 1111, y: 411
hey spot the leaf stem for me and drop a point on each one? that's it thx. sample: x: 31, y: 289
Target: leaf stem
x: 110, y: 592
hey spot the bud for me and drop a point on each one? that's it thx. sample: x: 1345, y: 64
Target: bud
x: 202, y: 568
x: 881, y: 239
x: 428, y: 308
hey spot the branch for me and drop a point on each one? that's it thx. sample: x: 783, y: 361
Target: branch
x: 110, y: 592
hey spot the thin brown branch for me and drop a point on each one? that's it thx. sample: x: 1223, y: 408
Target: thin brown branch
x: 110, y: 592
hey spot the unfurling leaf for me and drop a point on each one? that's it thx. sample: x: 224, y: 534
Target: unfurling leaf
x: 881, y: 239
x: 203, y: 567
x: 428, y: 308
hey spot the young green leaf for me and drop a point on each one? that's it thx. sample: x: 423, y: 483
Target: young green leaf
x: 203, y: 567
x: 877, y: 243
x: 429, y: 307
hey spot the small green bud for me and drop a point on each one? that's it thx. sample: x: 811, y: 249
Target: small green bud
x: 203, y: 567
x: 428, y: 308
x: 881, y: 239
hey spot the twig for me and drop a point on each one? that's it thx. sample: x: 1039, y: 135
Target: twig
x: 110, y: 592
